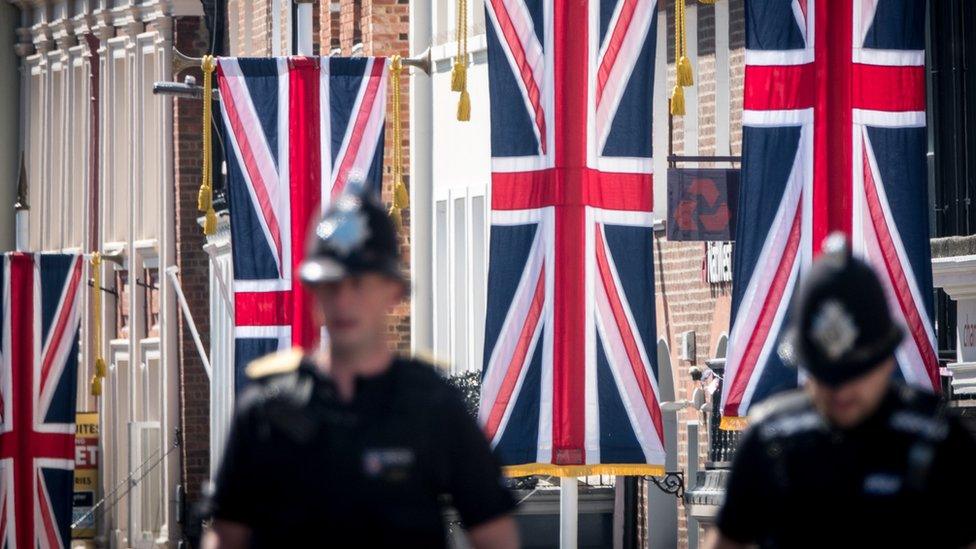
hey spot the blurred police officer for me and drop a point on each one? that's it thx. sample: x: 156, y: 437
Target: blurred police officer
x: 355, y: 447
x: 855, y: 459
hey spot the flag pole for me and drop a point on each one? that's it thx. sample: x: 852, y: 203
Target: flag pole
x: 568, y: 512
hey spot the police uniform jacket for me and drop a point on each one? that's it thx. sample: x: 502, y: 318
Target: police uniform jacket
x: 902, y: 478
x: 303, y: 468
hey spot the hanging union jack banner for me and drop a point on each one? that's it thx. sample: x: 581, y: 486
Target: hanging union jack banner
x: 39, y: 304
x: 299, y: 131
x: 833, y: 139
x: 570, y: 373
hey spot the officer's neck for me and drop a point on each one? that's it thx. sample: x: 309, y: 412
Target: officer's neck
x: 344, y: 366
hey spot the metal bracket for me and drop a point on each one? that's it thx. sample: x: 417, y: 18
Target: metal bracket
x: 140, y: 282
x: 91, y: 284
x: 673, y: 482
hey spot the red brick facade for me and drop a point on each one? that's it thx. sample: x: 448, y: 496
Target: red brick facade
x: 190, y: 37
x: 685, y: 301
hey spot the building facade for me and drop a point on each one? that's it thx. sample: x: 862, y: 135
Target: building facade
x: 106, y: 170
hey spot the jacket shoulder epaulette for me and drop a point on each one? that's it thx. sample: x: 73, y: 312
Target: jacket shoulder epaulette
x: 282, y: 362
x: 783, y: 403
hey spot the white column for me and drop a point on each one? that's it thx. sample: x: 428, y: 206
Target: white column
x: 168, y: 319
x: 275, y: 27
x: 421, y: 179
x: 568, y: 512
x: 660, y: 118
x: 690, y: 120
x: 723, y: 100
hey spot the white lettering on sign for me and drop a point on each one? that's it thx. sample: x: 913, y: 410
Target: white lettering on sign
x: 86, y: 456
x: 718, y: 260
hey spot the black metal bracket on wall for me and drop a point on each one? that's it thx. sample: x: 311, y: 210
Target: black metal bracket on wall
x: 673, y: 482
x: 91, y: 284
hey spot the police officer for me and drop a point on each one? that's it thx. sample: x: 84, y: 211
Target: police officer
x: 855, y: 459
x: 355, y: 447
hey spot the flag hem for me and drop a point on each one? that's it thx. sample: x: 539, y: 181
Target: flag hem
x: 620, y: 469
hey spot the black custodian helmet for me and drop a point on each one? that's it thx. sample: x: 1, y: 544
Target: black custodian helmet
x: 355, y: 236
x: 841, y: 327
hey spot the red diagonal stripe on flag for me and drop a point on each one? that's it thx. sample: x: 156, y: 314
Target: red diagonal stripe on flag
x: 514, y: 369
x: 896, y: 274
x: 770, y: 306
x: 515, y: 366
x: 627, y: 335
x: 63, y: 316
x: 241, y: 135
x: 525, y: 71
x: 613, y: 46
x: 359, y: 128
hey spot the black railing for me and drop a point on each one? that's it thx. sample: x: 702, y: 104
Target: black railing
x: 721, y: 442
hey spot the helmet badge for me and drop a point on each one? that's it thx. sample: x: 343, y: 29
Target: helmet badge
x: 347, y: 229
x: 833, y: 330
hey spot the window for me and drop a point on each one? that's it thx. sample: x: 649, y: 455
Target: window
x: 117, y: 196
x: 442, y: 301
x: 117, y: 411
x: 145, y: 438
x: 462, y: 289
x: 221, y: 346
x: 149, y: 110
x: 952, y: 140
x: 952, y: 112
x: 460, y: 279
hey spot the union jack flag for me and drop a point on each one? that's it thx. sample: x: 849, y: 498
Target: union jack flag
x: 39, y: 304
x: 833, y: 140
x: 570, y: 372
x: 299, y: 130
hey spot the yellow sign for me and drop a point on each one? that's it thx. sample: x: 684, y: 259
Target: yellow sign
x: 86, y: 474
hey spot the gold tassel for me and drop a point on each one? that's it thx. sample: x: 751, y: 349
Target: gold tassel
x: 459, y: 76
x: 100, y: 368
x: 677, y: 101
x: 210, y: 222
x: 684, y: 74
x: 682, y: 65
x: 464, y: 107
x: 205, y: 196
x: 401, y: 198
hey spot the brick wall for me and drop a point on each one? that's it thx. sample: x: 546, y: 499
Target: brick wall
x: 685, y: 302
x: 190, y: 37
